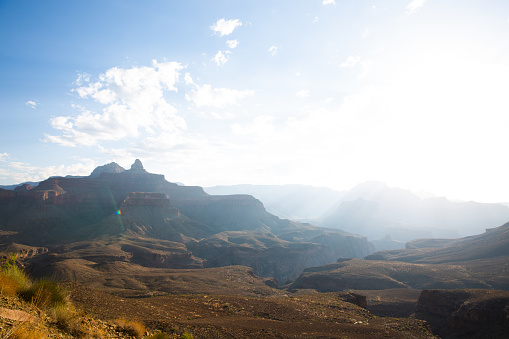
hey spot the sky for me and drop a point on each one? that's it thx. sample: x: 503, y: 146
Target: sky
x: 317, y: 92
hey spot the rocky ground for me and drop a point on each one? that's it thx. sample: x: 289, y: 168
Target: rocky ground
x: 305, y: 314
x: 19, y: 319
x: 301, y: 315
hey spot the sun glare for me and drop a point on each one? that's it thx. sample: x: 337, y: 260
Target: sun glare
x: 440, y: 105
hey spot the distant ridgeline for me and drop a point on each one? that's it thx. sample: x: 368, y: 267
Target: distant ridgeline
x: 388, y: 216
x: 133, y: 216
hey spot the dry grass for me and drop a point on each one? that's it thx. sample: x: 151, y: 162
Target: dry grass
x: 15, y: 277
x: 68, y: 319
x: 64, y: 314
x: 30, y: 331
x: 159, y: 335
x: 45, y: 293
x: 134, y: 328
x: 8, y: 285
x: 50, y: 298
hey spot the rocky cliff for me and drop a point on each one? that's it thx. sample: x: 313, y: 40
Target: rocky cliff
x: 114, y: 203
x: 465, y: 313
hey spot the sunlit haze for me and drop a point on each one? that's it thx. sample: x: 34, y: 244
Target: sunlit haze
x: 317, y: 92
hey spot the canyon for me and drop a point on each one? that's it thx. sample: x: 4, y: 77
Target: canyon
x: 132, y: 234
x: 199, y: 230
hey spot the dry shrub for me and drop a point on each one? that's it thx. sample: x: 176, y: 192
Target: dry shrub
x: 71, y: 320
x: 16, y: 276
x: 68, y: 319
x: 98, y: 333
x: 8, y: 285
x: 159, y: 335
x: 63, y: 314
x: 28, y: 330
x: 45, y: 293
x: 134, y: 328
x: 12, y: 278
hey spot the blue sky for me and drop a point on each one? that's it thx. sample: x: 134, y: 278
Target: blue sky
x: 325, y: 93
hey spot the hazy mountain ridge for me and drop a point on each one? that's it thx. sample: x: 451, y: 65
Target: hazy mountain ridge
x: 296, y: 202
x: 376, y: 210
x: 405, y: 216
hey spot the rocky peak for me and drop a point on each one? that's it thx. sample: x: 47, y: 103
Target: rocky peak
x: 112, y: 167
x: 138, y: 166
x: 23, y: 188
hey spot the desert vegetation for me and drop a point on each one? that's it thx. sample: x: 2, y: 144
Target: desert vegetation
x: 42, y: 308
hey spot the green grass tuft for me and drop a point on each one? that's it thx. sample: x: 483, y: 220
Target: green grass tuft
x: 17, y: 275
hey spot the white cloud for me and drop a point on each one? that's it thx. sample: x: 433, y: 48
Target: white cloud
x: 134, y: 101
x: 61, y: 123
x: 31, y: 104
x: 329, y: 2
x: 206, y: 96
x: 365, y: 33
x: 262, y: 128
x: 82, y: 78
x: 351, y: 61
x: 273, y: 50
x: 221, y: 58
x: 232, y: 43
x: 3, y: 156
x: 303, y: 93
x: 18, y: 172
x: 414, y: 6
x: 188, y: 79
x: 225, y: 27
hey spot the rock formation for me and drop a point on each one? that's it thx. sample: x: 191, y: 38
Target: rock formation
x: 112, y: 167
x: 465, y: 313
x: 137, y: 166
x: 23, y: 188
x: 145, y: 208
